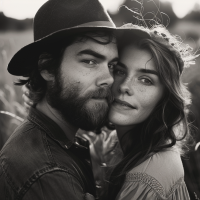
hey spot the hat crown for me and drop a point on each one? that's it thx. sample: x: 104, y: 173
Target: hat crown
x: 56, y: 15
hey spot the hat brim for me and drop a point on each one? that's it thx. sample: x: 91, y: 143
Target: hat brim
x: 27, y: 57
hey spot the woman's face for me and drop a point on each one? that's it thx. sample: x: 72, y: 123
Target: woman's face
x: 137, y: 88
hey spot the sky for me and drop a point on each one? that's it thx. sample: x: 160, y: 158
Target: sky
x: 183, y: 7
x: 21, y: 9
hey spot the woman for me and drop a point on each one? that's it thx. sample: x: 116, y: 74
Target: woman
x: 149, y: 112
x: 150, y: 115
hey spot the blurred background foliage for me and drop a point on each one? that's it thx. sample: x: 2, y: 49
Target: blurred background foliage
x: 15, y: 33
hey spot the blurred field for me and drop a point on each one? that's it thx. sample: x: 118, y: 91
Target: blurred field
x: 10, y: 95
x: 10, y: 43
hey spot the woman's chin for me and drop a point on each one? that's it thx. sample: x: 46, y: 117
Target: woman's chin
x: 125, y: 118
x: 118, y: 118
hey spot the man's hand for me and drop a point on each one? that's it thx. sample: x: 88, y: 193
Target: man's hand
x: 27, y: 101
x: 103, y: 146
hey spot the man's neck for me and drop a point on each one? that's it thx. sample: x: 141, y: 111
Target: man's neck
x: 53, y: 114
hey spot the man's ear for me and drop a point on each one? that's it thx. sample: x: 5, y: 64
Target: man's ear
x: 47, y: 76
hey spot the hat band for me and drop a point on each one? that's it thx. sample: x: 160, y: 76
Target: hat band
x: 97, y: 24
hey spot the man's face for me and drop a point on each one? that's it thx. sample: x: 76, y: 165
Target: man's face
x: 81, y: 90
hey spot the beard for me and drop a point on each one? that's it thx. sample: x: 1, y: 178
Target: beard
x: 82, y: 112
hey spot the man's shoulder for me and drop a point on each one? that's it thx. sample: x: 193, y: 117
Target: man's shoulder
x: 27, y: 156
x: 22, y: 150
x: 25, y: 140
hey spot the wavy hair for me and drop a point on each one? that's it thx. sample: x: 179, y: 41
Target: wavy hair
x: 51, y: 59
x: 168, y: 124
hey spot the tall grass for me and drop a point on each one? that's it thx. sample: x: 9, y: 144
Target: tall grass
x: 10, y: 95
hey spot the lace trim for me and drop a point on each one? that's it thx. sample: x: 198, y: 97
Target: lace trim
x: 152, y: 182
x: 176, y: 185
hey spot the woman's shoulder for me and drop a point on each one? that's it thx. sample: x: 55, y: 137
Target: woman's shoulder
x: 167, y: 162
x: 163, y: 172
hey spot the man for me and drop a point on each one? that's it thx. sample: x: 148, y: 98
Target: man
x: 69, y: 69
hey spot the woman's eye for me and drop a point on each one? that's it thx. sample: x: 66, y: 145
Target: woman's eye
x: 119, y: 72
x: 146, y: 81
x: 90, y: 62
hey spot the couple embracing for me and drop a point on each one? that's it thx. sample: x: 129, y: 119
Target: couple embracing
x: 82, y: 71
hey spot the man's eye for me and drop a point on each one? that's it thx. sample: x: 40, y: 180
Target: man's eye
x: 90, y: 62
x: 146, y: 81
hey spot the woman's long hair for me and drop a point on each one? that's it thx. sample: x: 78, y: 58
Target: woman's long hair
x: 168, y: 124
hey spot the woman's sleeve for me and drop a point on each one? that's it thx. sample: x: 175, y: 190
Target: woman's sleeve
x: 136, y: 191
x: 148, y: 188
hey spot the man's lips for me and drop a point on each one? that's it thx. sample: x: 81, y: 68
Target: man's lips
x: 99, y: 99
x: 124, y: 103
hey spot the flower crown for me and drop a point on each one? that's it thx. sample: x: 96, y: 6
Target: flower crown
x: 185, y: 51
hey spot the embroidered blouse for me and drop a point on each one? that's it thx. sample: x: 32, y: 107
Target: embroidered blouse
x: 160, y: 177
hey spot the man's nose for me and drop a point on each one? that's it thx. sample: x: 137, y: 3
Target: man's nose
x: 105, y: 78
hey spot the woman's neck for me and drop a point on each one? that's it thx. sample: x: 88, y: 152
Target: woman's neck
x: 121, y: 132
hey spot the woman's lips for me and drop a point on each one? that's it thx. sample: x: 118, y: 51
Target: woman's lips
x: 124, y: 103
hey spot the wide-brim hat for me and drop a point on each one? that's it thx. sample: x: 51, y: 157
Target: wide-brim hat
x: 53, y: 23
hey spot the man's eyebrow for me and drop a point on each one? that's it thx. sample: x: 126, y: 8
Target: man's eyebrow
x: 148, y: 71
x: 92, y: 53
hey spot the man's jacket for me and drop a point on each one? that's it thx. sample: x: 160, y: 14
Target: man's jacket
x: 39, y: 162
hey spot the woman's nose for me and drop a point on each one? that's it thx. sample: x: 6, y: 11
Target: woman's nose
x: 126, y: 87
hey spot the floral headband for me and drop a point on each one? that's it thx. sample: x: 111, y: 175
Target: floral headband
x: 184, y: 49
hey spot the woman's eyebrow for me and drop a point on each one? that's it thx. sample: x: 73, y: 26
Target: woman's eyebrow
x: 122, y: 64
x: 115, y: 60
x: 142, y: 70
x: 148, y: 71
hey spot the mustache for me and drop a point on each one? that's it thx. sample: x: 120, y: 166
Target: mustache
x: 101, y: 93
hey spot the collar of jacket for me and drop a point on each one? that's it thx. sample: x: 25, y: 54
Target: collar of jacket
x: 54, y: 131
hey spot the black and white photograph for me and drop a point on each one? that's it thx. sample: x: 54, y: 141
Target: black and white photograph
x: 99, y: 99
